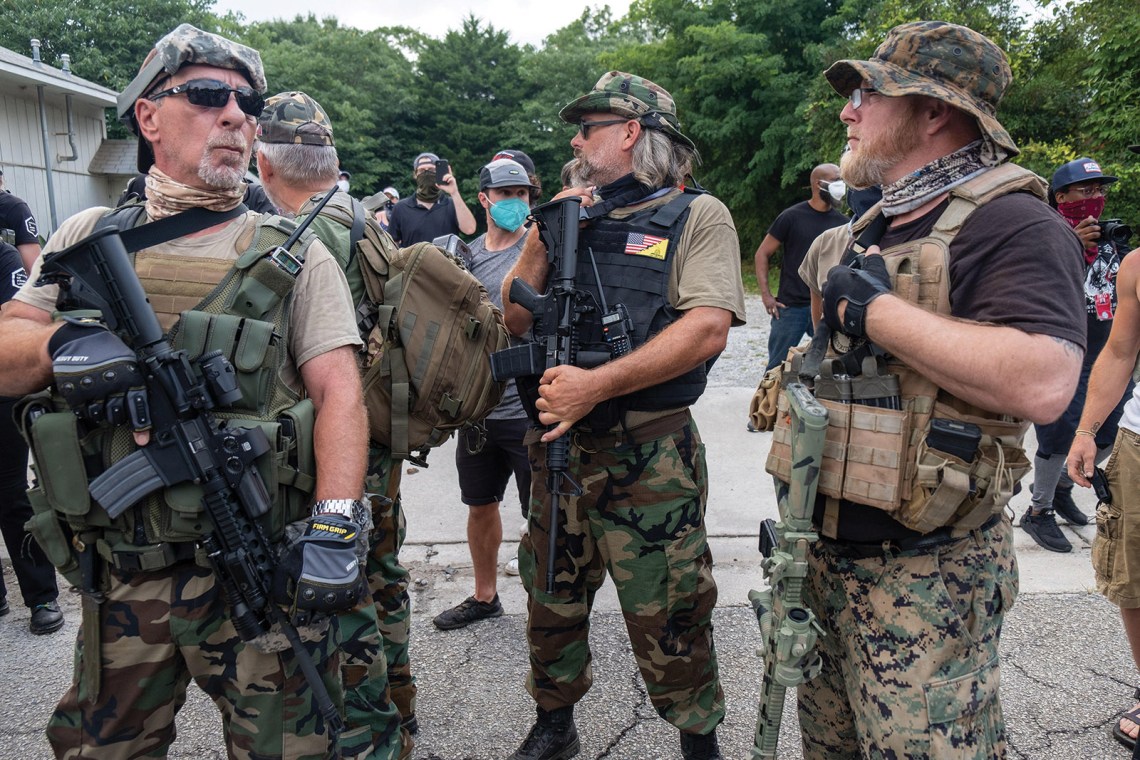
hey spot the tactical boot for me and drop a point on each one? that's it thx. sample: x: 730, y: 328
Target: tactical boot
x: 552, y: 737
x: 1064, y: 506
x: 46, y: 618
x: 1043, y: 529
x: 700, y: 746
x: 4, y: 608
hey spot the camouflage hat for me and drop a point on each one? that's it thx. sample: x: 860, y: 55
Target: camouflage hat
x: 945, y: 61
x: 632, y: 96
x: 184, y: 46
x: 294, y: 117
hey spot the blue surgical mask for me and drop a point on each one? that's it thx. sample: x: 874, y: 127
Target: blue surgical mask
x: 510, y: 214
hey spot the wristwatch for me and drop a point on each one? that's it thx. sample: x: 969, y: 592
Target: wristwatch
x: 352, y: 509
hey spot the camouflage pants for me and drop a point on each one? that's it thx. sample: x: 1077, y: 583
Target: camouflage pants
x: 159, y: 630
x: 910, y: 660
x: 387, y: 579
x: 641, y: 518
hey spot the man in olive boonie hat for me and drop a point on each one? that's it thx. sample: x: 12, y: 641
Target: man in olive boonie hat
x: 630, y: 96
x: 970, y: 286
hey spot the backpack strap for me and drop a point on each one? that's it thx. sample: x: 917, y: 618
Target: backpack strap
x: 356, y: 232
x: 137, y: 237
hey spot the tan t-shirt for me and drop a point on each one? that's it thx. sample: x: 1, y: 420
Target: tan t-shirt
x: 825, y: 252
x: 706, y: 266
x: 322, y: 319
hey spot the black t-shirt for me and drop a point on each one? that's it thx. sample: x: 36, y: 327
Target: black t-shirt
x: 12, y: 276
x: 15, y: 215
x: 796, y: 228
x: 409, y: 222
x: 1014, y: 263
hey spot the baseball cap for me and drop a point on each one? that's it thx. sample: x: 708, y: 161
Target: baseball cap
x: 1080, y: 170
x: 346, y: 175
x: 503, y: 172
x: 391, y: 191
x: 294, y: 117
x: 420, y: 159
x: 631, y: 96
x: 949, y: 62
x: 518, y: 156
x: 185, y: 45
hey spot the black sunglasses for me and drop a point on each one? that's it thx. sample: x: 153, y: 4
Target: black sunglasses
x: 585, y: 126
x: 210, y: 93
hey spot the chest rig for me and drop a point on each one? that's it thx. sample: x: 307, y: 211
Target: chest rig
x: 628, y: 261
x: 932, y: 460
x: 239, y: 307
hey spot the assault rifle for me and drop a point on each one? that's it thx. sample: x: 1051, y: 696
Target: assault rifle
x: 789, y: 629
x: 556, y: 315
x: 187, y: 443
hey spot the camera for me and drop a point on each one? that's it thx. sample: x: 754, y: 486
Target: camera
x: 1115, y: 231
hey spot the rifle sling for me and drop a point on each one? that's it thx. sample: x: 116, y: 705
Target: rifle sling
x: 180, y: 225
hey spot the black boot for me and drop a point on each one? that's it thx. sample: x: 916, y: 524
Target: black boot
x: 552, y: 737
x: 700, y: 746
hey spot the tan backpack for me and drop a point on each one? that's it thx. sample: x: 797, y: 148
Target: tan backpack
x: 427, y: 369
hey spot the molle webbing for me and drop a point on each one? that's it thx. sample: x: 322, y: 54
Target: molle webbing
x: 175, y: 284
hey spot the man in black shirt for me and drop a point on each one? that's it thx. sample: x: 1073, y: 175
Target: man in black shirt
x: 795, y: 229
x: 17, y: 217
x: 974, y: 307
x: 436, y: 209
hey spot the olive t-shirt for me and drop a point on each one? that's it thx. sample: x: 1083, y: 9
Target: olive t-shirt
x: 322, y: 318
x: 1014, y: 263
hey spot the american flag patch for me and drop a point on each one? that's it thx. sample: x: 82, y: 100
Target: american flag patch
x: 639, y: 244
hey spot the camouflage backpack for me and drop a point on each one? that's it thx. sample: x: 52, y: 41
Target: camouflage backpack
x: 430, y: 330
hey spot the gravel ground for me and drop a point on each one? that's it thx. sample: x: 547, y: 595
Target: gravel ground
x: 743, y: 361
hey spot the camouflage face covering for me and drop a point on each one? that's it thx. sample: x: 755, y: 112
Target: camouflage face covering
x: 945, y: 61
x: 632, y: 96
x: 294, y: 117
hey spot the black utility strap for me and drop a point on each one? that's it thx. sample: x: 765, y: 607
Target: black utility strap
x: 180, y: 225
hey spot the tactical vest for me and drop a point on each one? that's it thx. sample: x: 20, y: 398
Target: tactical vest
x: 880, y: 457
x: 634, y: 257
x: 241, y: 309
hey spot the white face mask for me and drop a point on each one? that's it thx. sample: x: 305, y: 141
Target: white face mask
x: 342, y: 184
x: 837, y: 190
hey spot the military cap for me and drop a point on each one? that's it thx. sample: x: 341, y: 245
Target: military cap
x: 1079, y: 170
x: 184, y: 46
x: 945, y: 61
x: 631, y: 96
x: 294, y: 117
x: 503, y: 172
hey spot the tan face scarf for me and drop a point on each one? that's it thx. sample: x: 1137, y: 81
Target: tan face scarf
x: 167, y: 197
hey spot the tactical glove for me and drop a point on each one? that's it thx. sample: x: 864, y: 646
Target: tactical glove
x: 99, y: 376
x: 859, y: 284
x: 320, y: 572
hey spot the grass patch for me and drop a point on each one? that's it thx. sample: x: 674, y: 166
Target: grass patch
x: 748, y: 274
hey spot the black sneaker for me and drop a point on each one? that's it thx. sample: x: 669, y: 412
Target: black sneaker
x: 552, y: 737
x: 1043, y: 529
x: 467, y: 612
x: 1064, y: 506
x: 700, y: 746
x: 411, y: 725
x: 46, y: 618
x: 4, y: 608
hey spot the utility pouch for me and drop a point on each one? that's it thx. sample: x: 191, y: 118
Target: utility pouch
x: 765, y: 401
x: 779, y: 462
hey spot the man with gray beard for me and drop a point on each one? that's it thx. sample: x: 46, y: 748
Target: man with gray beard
x: 154, y: 614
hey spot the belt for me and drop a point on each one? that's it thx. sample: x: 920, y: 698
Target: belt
x: 652, y: 430
x: 146, y: 558
x: 915, y: 544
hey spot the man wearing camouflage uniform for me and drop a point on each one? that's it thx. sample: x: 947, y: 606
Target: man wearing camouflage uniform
x: 672, y: 258
x: 154, y: 611
x: 915, y: 569
x: 297, y: 163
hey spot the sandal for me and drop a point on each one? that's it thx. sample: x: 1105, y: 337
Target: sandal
x: 1132, y: 715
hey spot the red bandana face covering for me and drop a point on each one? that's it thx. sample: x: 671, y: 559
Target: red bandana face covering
x: 1076, y: 212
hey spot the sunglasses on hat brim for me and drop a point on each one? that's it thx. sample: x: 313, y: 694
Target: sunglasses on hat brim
x: 210, y: 93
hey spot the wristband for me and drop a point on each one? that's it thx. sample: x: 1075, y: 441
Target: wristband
x: 1082, y: 431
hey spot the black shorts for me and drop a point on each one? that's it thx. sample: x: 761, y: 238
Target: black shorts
x: 483, y: 477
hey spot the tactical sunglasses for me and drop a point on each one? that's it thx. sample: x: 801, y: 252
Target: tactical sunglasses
x: 210, y: 93
x: 585, y: 126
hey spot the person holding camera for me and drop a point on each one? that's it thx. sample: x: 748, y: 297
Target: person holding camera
x: 435, y: 210
x: 1078, y: 191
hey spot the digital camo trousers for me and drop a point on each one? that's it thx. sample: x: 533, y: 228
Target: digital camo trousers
x: 159, y: 630
x: 641, y: 518
x: 910, y: 659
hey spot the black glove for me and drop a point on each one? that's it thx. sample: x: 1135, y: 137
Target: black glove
x: 98, y: 375
x: 859, y: 284
x: 320, y: 572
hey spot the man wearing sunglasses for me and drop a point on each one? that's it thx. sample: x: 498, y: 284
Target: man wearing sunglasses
x: 154, y: 614
x: 968, y: 297
x: 669, y: 255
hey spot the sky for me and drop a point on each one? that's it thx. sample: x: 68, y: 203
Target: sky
x: 527, y: 21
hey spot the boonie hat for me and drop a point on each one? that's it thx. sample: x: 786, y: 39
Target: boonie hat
x: 631, y: 96
x: 516, y: 155
x: 185, y: 45
x: 952, y: 63
x: 503, y: 172
x: 420, y: 159
x: 294, y: 117
x: 1080, y: 170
